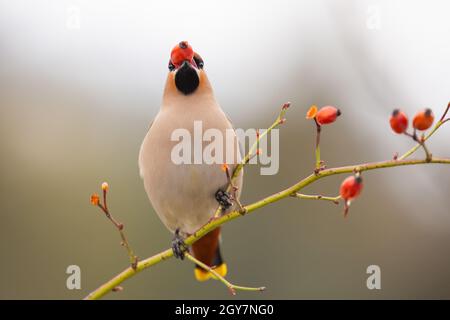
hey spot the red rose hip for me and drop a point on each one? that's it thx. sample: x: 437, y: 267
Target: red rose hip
x: 351, y: 187
x: 180, y: 53
x: 423, y: 119
x: 327, y: 114
x: 398, y: 121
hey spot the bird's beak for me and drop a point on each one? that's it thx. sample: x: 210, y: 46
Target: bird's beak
x: 188, y: 64
x: 187, y: 67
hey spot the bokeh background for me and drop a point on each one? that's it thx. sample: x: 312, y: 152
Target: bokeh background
x: 80, y: 82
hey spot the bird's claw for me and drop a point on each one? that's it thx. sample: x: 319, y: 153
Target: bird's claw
x: 224, y: 199
x: 178, y: 245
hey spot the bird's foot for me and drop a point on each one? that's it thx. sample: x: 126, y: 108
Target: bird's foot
x: 178, y: 245
x: 224, y: 199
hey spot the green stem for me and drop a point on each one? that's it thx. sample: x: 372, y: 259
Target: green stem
x: 318, y: 161
x: 317, y: 197
x: 418, y: 145
x: 318, y: 164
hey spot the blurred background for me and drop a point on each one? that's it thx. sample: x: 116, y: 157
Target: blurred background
x: 80, y: 81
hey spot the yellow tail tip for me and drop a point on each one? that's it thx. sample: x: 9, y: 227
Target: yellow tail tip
x: 203, y: 275
x: 221, y: 270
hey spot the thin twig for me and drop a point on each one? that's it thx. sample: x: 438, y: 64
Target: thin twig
x: 252, y: 151
x: 317, y: 197
x: 318, y: 161
x: 427, y: 152
x: 445, y: 113
x: 119, y: 226
x: 421, y: 142
x: 230, y: 286
x: 435, y: 128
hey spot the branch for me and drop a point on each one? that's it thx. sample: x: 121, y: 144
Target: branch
x: 288, y: 192
x: 146, y: 263
x: 317, y: 197
x: 230, y: 286
x: 95, y: 200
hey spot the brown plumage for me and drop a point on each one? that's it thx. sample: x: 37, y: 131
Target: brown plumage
x: 205, y: 249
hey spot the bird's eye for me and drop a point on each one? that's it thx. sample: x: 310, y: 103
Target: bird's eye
x: 171, y: 66
x: 199, y: 61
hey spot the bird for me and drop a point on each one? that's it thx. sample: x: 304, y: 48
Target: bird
x: 186, y: 196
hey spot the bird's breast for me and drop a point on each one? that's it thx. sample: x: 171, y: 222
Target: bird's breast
x: 182, y: 194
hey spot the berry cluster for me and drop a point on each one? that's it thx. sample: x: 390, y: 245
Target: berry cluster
x: 351, y: 187
x: 422, y: 121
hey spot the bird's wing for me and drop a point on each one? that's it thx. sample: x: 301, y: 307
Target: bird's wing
x: 150, y: 125
x: 241, y: 148
x: 139, y: 159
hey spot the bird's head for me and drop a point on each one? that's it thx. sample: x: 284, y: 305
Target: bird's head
x: 185, y: 68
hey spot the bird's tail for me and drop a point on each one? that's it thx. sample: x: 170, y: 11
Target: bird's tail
x: 207, y: 250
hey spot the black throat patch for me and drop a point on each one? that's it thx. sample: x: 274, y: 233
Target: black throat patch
x: 186, y: 79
